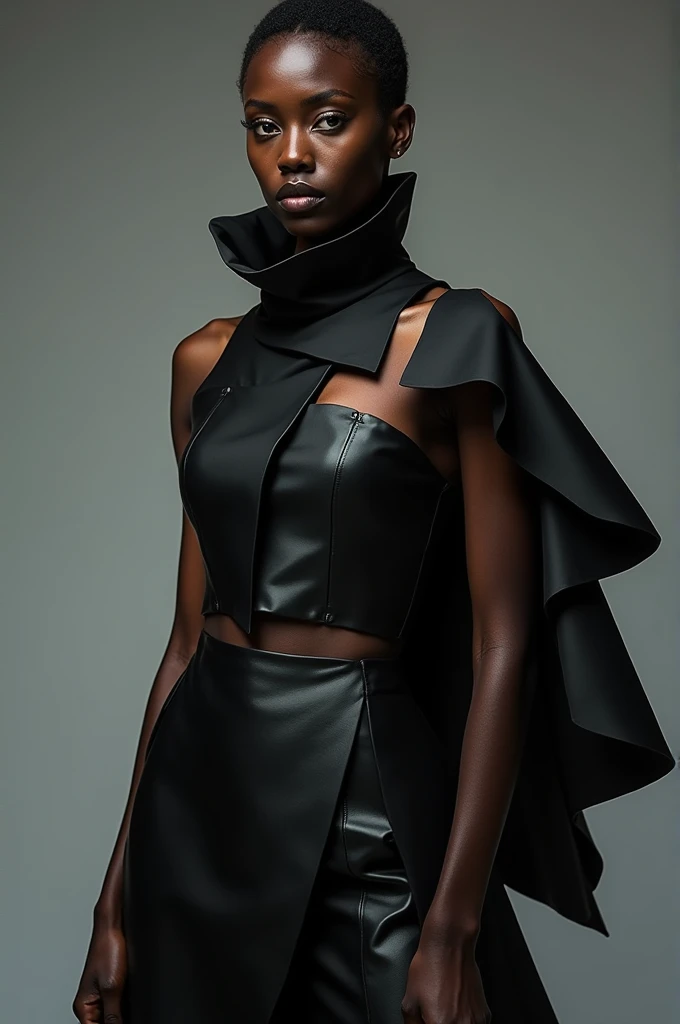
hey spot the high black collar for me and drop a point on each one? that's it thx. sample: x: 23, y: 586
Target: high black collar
x: 336, y: 300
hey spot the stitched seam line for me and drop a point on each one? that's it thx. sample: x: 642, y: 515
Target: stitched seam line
x: 336, y: 483
x: 344, y: 836
x: 362, y: 904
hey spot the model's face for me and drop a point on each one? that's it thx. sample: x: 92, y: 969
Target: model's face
x: 315, y: 119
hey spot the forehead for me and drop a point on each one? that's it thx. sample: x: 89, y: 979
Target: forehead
x: 287, y: 68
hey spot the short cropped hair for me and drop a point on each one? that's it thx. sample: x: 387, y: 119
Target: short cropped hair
x: 364, y: 33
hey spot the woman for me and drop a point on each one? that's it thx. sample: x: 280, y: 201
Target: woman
x: 389, y: 686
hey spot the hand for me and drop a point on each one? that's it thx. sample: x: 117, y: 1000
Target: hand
x: 444, y: 985
x: 100, y: 990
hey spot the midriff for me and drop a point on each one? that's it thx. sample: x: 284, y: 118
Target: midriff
x: 291, y: 636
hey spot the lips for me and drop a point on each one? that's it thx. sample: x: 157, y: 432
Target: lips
x: 298, y: 189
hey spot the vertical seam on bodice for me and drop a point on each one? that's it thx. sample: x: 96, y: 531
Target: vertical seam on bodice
x: 334, y: 492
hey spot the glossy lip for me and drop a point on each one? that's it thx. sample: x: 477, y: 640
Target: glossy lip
x: 298, y: 188
x: 300, y: 204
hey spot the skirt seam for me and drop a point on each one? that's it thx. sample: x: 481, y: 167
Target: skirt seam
x: 362, y: 905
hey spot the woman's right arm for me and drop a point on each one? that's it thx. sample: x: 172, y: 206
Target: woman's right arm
x: 103, y: 975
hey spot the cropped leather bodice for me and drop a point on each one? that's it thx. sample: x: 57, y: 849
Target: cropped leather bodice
x: 347, y: 510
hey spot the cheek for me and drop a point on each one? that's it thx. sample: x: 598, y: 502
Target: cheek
x: 361, y: 178
x: 362, y: 158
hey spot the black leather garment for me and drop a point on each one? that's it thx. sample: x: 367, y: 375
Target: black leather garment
x: 343, y: 472
x: 361, y: 928
x: 264, y: 864
x: 260, y: 845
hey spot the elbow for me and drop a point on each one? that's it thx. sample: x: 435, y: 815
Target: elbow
x: 508, y: 644
x: 504, y: 656
x: 504, y: 671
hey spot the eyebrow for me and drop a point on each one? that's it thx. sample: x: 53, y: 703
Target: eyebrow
x: 309, y: 101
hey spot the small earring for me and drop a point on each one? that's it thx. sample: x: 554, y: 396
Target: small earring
x: 399, y: 152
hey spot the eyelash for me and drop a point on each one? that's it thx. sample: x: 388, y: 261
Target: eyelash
x: 250, y: 125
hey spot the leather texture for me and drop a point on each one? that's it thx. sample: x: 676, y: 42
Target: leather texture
x: 321, y: 557
x: 361, y: 927
x: 228, y: 827
x: 257, y: 825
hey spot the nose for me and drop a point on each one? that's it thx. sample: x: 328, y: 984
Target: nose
x: 295, y: 152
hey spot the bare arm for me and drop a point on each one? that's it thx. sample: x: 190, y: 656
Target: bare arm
x: 502, y: 564
x: 193, y: 359
x: 501, y: 571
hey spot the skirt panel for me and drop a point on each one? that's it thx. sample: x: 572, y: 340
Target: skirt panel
x: 229, y: 822
x: 286, y: 838
x: 361, y: 928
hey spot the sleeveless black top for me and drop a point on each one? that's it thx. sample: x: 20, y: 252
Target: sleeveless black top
x: 347, y: 505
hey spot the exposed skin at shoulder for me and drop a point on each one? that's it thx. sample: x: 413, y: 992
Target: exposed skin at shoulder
x: 462, y: 399
x: 505, y: 311
x: 422, y: 307
x: 193, y: 359
x: 444, y: 399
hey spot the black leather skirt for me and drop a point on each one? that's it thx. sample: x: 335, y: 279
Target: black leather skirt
x: 262, y: 878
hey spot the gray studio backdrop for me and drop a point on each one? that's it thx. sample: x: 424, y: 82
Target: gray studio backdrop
x: 544, y: 153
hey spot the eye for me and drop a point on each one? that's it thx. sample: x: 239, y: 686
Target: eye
x: 334, y: 115
x: 252, y: 125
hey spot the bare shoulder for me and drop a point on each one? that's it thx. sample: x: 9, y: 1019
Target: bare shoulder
x: 505, y: 311
x: 196, y: 354
x: 417, y: 312
x: 473, y: 401
x: 192, y: 360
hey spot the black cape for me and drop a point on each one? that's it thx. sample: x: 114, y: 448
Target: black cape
x: 593, y: 735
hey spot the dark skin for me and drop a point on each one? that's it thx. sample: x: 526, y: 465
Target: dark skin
x: 340, y: 144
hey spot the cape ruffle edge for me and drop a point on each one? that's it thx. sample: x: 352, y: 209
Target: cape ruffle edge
x: 593, y: 735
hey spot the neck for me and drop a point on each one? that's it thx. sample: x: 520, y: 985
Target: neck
x: 300, y: 280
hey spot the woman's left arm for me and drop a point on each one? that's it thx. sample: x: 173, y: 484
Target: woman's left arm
x: 501, y: 536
